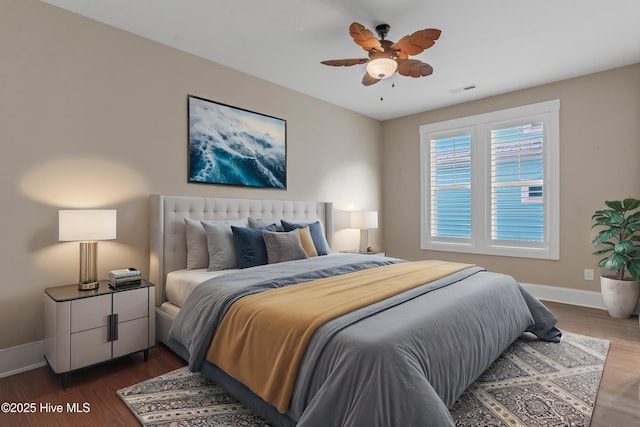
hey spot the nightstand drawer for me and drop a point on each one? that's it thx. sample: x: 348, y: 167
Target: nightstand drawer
x: 129, y: 334
x: 133, y: 304
x: 89, y: 347
x: 90, y: 313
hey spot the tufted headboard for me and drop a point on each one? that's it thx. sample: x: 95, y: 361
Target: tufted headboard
x: 167, y: 240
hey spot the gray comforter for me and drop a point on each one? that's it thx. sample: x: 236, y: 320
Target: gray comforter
x: 399, y: 362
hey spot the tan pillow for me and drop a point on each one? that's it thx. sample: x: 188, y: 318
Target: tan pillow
x: 307, y: 241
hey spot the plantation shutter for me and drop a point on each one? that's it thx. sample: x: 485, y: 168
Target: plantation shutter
x: 517, y: 184
x: 450, y: 177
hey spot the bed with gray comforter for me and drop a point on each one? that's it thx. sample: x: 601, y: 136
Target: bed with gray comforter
x: 399, y: 362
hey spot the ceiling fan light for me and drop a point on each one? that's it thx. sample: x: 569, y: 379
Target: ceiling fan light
x: 381, y: 68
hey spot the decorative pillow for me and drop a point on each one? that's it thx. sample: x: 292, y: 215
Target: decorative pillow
x: 307, y: 241
x: 256, y: 223
x: 250, y: 248
x: 220, y: 246
x: 283, y: 246
x: 317, y: 233
x: 197, y: 254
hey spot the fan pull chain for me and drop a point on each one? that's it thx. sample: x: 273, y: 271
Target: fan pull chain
x: 382, y: 98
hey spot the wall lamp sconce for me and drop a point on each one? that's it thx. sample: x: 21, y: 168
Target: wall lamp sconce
x: 364, y: 220
x: 87, y: 226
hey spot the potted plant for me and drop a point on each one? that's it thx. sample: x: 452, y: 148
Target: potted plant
x: 620, y: 237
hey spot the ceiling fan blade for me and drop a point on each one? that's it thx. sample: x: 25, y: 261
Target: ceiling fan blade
x: 417, y: 42
x: 367, y: 80
x: 364, y: 37
x: 432, y: 33
x: 414, y: 68
x: 345, y: 62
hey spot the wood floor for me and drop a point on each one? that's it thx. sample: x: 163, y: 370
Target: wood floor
x: 618, y: 402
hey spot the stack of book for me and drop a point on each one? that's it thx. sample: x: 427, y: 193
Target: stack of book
x: 124, y: 277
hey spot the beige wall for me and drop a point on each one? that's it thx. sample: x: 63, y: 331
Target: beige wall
x: 599, y: 155
x: 94, y: 117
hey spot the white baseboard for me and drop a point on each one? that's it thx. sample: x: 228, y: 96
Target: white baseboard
x: 569, y: 296
x: 29, y: 356
x: 21, y: 358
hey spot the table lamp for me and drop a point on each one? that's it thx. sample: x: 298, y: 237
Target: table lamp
x: 364, y: 220
x: 87, y: 226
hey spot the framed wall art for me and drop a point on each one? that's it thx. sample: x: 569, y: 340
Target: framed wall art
x: 234, y: 146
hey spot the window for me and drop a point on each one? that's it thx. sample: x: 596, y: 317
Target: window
x: 490, y: 183
x: 451, y: 189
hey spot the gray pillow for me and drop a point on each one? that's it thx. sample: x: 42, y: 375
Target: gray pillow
x: 283, y: 246
x: 317, y: 233
x: 197, y: 252
x: 261, y: 223
x: 220, y: 247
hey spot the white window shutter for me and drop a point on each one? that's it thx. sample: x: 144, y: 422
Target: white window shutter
x: 450, y: 177
x: 517, y: 183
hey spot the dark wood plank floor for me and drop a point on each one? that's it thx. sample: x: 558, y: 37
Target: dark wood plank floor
x: 618, y: 402
x: 96, y: 386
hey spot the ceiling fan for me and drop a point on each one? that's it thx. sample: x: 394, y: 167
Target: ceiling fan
x: 387, y: 57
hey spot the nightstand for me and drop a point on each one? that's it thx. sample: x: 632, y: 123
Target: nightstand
x: 84, y: 328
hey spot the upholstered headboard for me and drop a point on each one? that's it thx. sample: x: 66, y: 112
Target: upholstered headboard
x: 167, y: 239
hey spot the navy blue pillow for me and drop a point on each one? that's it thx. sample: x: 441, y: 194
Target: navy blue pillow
x: 250, y: 247
x: 315, y: 229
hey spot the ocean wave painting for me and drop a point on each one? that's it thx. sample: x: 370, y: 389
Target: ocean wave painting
x: 229, y: 145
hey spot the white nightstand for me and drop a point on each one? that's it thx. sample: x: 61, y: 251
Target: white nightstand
x: 83, y: 328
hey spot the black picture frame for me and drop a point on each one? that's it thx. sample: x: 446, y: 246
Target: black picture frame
x: 233, y: 146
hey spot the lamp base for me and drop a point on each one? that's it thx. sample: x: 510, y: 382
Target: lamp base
x: 364, y: 240
x: 88, y: 278
x: 88, y: 286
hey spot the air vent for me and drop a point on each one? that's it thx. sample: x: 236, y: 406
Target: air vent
x: 463, y: 89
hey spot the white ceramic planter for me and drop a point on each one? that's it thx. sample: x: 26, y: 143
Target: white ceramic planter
x: 620, y: 296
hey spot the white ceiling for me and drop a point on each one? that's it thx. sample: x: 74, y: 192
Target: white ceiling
x: 497, y: 45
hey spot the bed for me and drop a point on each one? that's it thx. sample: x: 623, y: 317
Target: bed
x: 386, y: 357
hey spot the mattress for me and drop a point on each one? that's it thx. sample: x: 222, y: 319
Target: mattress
x: 181, y: 283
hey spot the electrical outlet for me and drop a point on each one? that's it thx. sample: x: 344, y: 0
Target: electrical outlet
x: 588, y: 274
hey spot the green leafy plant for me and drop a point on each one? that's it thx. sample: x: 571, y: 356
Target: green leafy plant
x: 619, y: 236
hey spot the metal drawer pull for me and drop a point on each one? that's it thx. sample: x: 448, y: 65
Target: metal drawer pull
x: 112, y: 327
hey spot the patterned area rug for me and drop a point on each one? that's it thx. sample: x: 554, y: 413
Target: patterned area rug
x: 533, y: 383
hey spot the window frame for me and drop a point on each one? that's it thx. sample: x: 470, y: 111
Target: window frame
x: 480, y: 126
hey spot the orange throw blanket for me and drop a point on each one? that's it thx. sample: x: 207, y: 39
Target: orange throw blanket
x: 262, y: 338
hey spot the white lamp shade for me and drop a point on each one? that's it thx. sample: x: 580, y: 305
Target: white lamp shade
x: 381, y: 68
x: 86, y: 224
x: 364, y: 220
